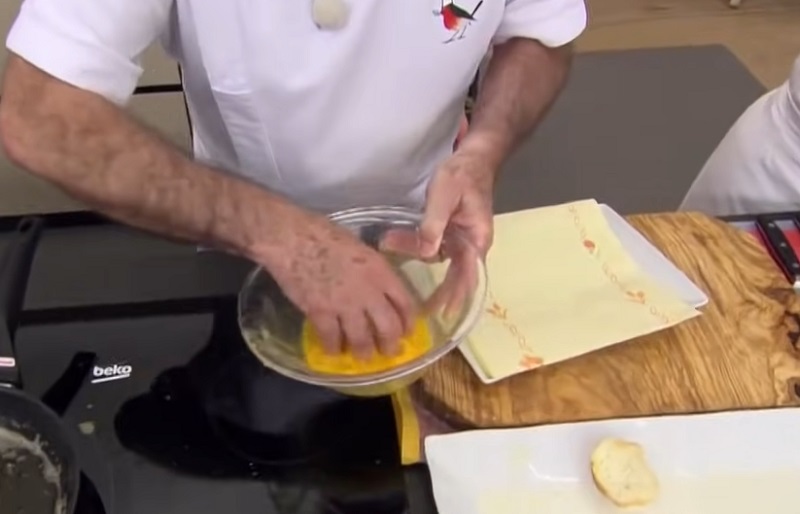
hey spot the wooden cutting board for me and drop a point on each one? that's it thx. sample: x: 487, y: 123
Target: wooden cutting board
x: 741, y: 353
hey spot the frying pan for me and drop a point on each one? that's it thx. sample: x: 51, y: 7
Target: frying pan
x: 39, y: 472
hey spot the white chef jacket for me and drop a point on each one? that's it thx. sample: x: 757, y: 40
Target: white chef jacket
x: 756, y: 167
x: 331, y: 119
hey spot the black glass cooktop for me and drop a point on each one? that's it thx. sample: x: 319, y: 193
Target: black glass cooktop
x: 178, y: 417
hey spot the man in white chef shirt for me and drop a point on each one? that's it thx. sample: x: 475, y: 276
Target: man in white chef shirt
x: 299, y: 108
x: 756, y: 166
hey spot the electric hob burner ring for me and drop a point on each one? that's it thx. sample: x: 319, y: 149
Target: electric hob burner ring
x: 264, y: 449
x: 296, y: 444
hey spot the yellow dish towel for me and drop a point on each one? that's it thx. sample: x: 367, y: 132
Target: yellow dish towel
x: 561, y: 285
x: 408, y: 429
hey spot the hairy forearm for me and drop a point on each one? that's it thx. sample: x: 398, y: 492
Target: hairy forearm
x: 522, y: 81
x: 97, y: 153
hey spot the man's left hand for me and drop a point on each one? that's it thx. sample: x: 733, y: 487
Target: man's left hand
x: 460, y: 195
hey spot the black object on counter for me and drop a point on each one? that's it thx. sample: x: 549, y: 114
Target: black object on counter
x: 40, y: 472
x: 778, y: 245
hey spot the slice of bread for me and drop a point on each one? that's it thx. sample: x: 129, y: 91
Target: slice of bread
x: 621, y: 472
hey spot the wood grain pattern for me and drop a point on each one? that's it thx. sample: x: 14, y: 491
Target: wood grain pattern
x: 741, y: 353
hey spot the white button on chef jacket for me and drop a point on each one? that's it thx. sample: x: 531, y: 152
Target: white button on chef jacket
x: 339, y: 104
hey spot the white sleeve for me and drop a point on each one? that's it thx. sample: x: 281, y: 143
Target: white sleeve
x: 551, y: 22
x: 90, y: 44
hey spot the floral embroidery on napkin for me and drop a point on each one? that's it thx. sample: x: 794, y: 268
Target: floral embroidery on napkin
x: 498, y: 311
x: 529, y: 359
x: 636, y: 296
x: 529, y: 362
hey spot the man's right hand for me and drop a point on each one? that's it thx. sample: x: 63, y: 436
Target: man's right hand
x: 349, y: 291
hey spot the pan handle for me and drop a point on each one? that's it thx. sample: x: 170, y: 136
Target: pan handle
x: 14, y: 273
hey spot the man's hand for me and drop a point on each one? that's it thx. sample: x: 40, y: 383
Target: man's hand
x: 348, y: 291
x: 460, y: 195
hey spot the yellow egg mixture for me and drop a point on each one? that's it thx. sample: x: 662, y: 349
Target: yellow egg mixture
x: 412, y: 345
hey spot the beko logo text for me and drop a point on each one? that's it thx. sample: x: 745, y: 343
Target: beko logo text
x: 108, y: 373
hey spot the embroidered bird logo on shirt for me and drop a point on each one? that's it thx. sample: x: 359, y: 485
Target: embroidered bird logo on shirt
x: 456, y: 19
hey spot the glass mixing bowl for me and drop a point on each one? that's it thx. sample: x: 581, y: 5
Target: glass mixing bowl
x: 451, y: 292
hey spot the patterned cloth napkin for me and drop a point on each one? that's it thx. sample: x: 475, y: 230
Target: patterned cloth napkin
x: 562, y: 285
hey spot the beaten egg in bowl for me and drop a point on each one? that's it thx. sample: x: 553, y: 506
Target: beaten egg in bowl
x: 413, y: 345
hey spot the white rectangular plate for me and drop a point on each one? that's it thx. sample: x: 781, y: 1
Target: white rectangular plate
x: 650, y: 260
x: 745, y: 462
